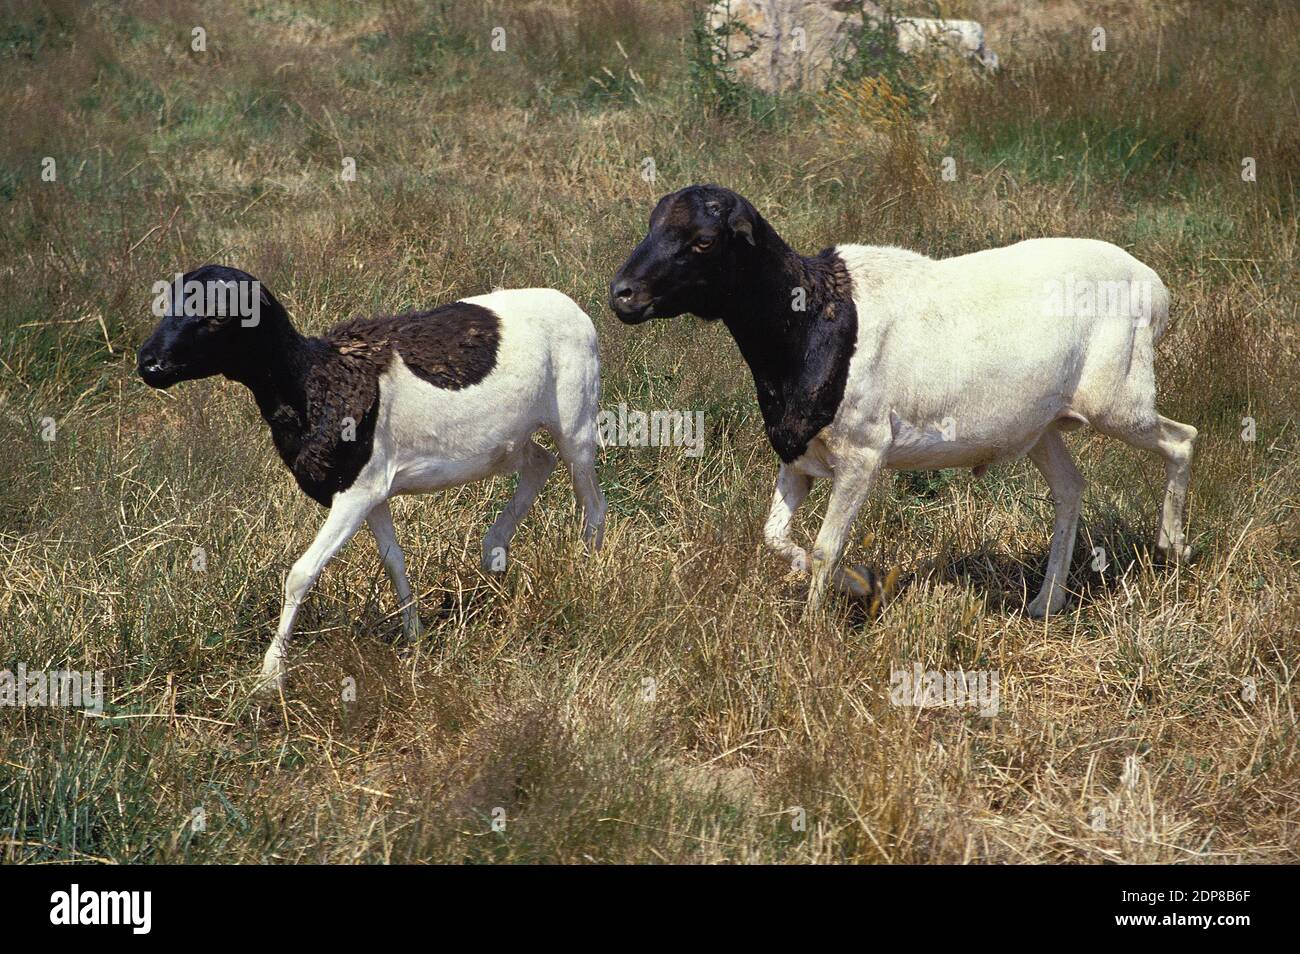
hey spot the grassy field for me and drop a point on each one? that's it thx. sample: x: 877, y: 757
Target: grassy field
x: 666, y: 700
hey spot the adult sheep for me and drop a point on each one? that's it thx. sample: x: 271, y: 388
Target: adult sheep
x: 395, y: 405
x: 867, y: 357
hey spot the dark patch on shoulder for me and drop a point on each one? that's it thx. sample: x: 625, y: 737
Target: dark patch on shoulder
x: 329, y: 440
x: 807, y: 388
x: 450, y: 347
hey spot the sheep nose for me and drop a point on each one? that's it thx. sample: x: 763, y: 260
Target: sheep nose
x: 626, y: 295
x: 629, y: 300
x: 152, y: 369
x: 148, y: 361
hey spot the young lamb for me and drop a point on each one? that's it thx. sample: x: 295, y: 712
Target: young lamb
x: 867, y: 357
x: 395, y: 405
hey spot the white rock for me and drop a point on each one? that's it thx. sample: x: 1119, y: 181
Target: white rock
x: 794, y: 44
x: 962, y: 36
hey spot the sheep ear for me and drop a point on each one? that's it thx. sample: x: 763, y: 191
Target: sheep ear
x: 741, y: 224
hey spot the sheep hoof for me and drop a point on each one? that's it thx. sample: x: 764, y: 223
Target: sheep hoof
x: 270, y: 681
x: 1040, y: 606
x: 495, y: 559
x: 1175, y: 554
x: 864, y: 585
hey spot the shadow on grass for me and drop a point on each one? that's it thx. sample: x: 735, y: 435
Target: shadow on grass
x: 1007, y: 581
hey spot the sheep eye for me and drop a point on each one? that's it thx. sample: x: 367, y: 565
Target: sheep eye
x: 702, y: 244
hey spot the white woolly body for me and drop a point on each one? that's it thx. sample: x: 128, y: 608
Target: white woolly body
x: 966, y: 361
x: 545, y: 377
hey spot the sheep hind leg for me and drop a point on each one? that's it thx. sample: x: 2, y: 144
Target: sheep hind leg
x: 380, y: 521
x: 580, y: 457
x: 536, y: 465
x: 1052, y: 458
x: 1172, y: 442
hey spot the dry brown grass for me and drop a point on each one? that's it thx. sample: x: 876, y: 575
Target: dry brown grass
x: 529, y: 694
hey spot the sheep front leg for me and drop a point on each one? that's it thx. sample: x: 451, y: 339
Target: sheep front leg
x: 849, y: 489
x: 791, y: 490
x: 346, y: 514
x: 380, y: 521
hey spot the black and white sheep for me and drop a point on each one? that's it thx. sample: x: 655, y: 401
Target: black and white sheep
x: 396, y: 405
x: 867, y: 357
